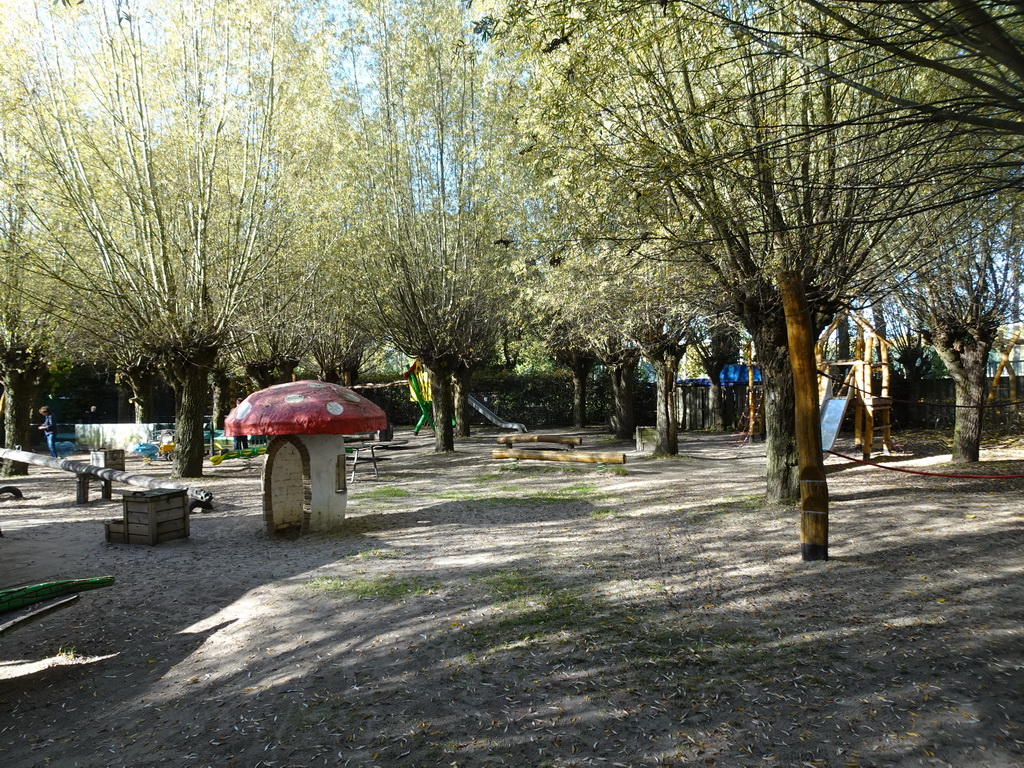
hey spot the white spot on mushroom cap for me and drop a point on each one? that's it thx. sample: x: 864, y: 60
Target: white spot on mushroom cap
x: 243, y: 409
x: 295, y: 398
x: 335, y: 409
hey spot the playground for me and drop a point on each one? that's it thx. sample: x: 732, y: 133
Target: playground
x: 479, y: 613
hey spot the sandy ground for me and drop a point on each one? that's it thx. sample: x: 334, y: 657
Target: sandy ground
x: 475, y: 614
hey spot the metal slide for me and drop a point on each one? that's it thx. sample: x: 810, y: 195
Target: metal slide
x: 492, y: 417
x: 832, y: 412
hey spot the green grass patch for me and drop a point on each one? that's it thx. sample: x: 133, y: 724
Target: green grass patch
x: 516, y: 583
x: 384, y: 492
x: 385, y: 587
x: 578, y: 491
x: 601, y: 514
x: 375, y: 554
x: 458, y: 495
x: 729, y: 505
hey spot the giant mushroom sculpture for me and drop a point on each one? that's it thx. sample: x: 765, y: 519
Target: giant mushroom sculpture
x: 304, y: 474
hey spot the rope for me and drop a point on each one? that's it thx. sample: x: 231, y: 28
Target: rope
x: 929, y: 474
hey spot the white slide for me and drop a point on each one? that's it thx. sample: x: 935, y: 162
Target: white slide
x: 492, y: 417
x: 832, y: 412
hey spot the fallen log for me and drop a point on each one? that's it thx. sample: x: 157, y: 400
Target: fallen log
x: 104, y: 473
x: 580, y: 456
x: 560, y: 439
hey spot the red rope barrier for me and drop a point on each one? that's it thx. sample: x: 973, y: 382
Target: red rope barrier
x: 929, y: 474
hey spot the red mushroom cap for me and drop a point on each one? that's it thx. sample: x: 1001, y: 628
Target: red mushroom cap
x: 304, y: 408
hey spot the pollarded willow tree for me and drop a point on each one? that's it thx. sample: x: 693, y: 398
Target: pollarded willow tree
x: 173, y: 132
x: 436, y: 209
x: 27, y: 326
x: 746, y: 163
x: 963, y: 294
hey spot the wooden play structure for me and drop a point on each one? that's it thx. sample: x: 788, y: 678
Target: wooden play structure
x: 842, y: 382
x: 1005, y: 345
x: 551, y: 448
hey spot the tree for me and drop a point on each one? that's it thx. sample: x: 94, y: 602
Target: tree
x: 716, y: 346
x: 436, y: 212
x: 964, y: 59
x: 621, y: 358
x: 741, y: 164
x: 27, y: 327
x: 172, y: 136
x: 965, y: 293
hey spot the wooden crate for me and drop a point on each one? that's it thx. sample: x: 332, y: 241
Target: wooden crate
x: 646, y: 438
x: 152, y: 517
x: 108, y: 459
x: 114, y: 530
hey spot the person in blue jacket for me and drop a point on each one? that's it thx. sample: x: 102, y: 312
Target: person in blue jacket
x: 49, y: 429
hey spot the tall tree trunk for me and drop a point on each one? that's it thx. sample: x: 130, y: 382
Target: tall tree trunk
x: 580, y: 368
x: 783, y: 478
x: 843, y: 339
x: 286, y: 369
x: 722, y: 348
x: 666, y: 365
x: 970, y: 398
x: 444, y: 411
x: 222, y: 404
x: 966, y: 357
x: 263, y: 374
x: 21, y: 388
x: 333, y: 375
x: 461, y: 378
x: 189, y: 377
x: 716, y: 398
x: 623, y: 375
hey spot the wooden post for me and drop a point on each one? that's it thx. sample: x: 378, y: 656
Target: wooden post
x: 867, y: 394
x: 82, y: 489
x: 813, y: 486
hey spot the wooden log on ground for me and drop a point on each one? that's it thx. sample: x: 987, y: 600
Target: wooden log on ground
x: 560, y: 439
x: 577, y: 456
